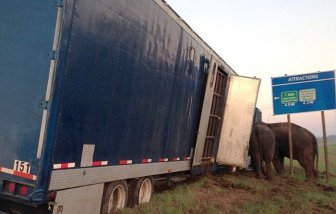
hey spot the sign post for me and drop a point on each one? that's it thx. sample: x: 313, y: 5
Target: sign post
x: 325, y: 146
x: 290, y: 144
x: 305, y: 93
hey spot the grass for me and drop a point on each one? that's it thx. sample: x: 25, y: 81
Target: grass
x: 240, y: 192
x: 179, y: 199
x: 321, y: 164
x: 332, y: 161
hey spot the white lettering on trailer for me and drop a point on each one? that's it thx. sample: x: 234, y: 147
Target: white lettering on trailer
x: 163, y: 159
x: 22, y: 166
x: 176, y: 159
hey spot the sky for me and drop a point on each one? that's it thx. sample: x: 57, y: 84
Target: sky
x: 269, y: 38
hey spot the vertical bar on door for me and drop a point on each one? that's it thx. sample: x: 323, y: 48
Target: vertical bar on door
x: 50, y: 81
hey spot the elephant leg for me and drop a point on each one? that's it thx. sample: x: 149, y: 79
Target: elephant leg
x: 269, y: 170
x: 256, y: 165
x: 306, y: 160
x: 308, y: 170
x: 316, y: 173
x: 262, y: 168
x: 278, y: 164
x: 282, y: 164
x: 259, y: 174
x: 307, y: 164
x: 253, y: 164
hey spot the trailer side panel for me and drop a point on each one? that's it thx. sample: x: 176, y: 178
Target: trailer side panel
x: 131, y: 91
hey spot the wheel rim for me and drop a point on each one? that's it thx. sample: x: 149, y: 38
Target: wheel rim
x: 117, y: 199
x: 145, y: 192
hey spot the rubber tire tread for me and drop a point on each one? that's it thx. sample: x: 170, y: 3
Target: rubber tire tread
x: 108, y: 188
x: 134, y: 189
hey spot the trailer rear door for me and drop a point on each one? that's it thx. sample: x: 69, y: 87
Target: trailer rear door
x: 237, y: 121
x: 27, y: 31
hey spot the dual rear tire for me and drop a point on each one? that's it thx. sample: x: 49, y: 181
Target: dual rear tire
x: 140, y: 191
x: 118, y: 194
x: 114, y: 197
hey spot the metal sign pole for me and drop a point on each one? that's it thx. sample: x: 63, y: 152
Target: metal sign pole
x: 325, y: 147
x: 290, y: 144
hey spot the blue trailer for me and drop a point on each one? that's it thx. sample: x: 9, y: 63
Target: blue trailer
x: 100, y: 98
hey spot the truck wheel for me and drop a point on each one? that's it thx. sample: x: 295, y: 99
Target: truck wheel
x: 115, y: 197
x: 141, y: 191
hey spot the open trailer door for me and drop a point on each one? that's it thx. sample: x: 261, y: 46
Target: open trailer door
x: 237, y: 121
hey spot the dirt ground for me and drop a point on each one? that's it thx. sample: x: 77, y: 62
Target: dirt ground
x: 241, y: 187
x: 240, y: 191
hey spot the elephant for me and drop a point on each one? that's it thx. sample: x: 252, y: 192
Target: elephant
x: 261, y: 149
x: 304, y: 143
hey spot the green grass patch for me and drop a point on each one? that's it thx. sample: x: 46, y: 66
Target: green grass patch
x: 242, y: 193
x: 299, y: 172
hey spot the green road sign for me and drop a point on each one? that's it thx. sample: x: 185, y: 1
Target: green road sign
x: 289, y: 97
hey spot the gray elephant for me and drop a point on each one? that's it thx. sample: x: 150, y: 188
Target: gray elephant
x: 305, y: 149
x: 262, y: 145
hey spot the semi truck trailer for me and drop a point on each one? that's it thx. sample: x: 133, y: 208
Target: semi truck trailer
x: 98, y: 99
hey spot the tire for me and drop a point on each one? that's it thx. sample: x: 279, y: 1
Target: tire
x: 115, y: 197
x: 141, y: 191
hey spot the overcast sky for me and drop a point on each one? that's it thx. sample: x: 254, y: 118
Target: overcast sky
x: 269, y: 38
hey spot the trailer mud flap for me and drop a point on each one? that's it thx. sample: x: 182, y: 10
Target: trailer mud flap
x: 84, y: 200
x: 237, y: 122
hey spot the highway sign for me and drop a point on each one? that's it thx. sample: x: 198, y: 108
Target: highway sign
x: 304, y: 93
